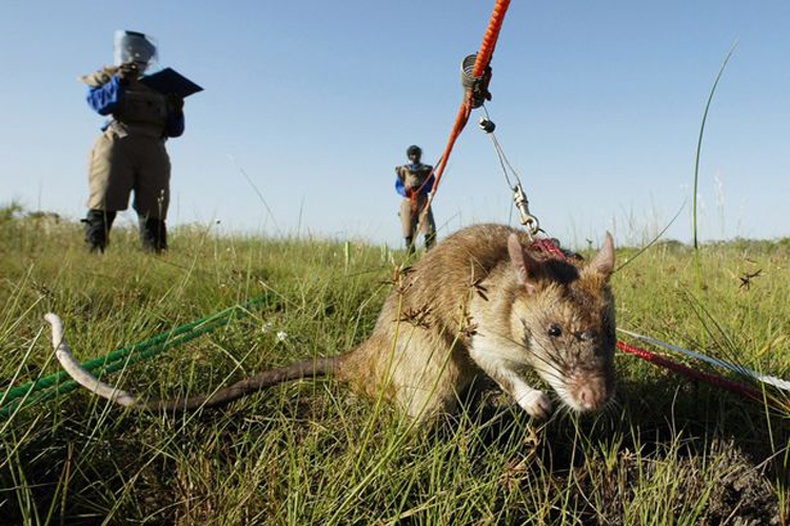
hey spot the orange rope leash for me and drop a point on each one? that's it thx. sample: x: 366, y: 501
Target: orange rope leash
x: 481, y: 63
x: 490, y: 38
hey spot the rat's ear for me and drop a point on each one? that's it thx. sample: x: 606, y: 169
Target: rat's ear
x: 524, y: 265
x: 603, y: 262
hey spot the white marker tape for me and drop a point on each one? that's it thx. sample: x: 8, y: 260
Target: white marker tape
x: 770, y: 380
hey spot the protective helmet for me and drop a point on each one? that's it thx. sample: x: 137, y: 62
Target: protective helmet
x: 413, y: 149
x: 131, y: 46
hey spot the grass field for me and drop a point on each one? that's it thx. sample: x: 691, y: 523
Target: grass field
x: 668, y: 451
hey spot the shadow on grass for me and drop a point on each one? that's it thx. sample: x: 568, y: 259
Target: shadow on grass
x: 592, y: 468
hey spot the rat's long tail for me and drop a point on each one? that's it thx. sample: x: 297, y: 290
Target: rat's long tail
x: 304, y: 369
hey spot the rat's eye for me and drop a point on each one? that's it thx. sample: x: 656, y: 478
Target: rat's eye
x: 555, y: 330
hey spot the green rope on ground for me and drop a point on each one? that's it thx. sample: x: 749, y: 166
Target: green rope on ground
x: 118, y: 360
x: 64, y: 384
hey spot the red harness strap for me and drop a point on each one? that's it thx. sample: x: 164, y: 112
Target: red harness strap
x: 548, y: 246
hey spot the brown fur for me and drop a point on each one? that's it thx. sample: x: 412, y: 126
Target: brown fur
x: 479, y: 303
x: 469, y: 292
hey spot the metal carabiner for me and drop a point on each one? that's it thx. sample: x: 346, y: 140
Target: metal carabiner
x: 529, y: 221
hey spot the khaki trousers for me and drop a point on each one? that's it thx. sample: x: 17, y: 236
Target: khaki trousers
x: 135, y: 163
x: 410, y: 218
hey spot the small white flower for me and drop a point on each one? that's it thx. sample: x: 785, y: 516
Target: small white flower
x: 267, y: 327
x: 281, y: 336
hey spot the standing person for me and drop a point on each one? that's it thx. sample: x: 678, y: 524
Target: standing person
x: 130, y: 155
x: 414, y: 182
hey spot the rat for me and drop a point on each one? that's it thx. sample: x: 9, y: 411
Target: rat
x: 482, y: 302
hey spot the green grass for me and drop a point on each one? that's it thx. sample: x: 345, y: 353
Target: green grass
x: 669, y: 451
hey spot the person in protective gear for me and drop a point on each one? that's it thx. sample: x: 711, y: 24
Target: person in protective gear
x: 130, y: 155
x: 414, y: 182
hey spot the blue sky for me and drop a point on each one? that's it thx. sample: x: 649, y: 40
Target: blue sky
x: 597, y: 105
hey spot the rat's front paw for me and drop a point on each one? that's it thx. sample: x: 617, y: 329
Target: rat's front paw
x: 536, y: 403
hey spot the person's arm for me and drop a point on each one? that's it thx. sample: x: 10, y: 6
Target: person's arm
x: 428, y: 186
x: 105, y: 98
x: 399, y: 186
x: 175, y: 116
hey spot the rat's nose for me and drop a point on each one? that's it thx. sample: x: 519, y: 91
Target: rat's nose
x: 590, y: 392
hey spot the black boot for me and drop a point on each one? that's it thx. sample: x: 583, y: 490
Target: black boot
x: 97, y: 229
x: 430, y: 240
x: 153, y: 234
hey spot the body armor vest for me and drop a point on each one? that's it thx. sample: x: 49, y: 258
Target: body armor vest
x: 414, y: 176
x: 142, y: 110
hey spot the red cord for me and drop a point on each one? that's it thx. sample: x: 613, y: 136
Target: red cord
x: 688, y: 372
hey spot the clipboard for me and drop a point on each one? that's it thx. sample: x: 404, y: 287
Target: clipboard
x: 171, y: 81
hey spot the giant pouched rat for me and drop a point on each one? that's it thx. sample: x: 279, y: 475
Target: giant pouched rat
x: 482, y: 301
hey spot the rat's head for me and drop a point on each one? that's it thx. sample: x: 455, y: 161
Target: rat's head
x: 567, y: 317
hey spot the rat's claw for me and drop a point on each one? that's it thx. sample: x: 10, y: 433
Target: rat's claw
x: 536, y: 403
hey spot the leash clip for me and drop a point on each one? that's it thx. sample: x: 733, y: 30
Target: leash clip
x: 522, y: 204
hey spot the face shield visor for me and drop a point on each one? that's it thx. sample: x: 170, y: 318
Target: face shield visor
x: 130, y: 46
